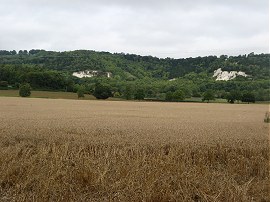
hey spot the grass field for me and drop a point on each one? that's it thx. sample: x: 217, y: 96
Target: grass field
x: 49, y: 94
x: 69, y: 150
x: 70, y: 95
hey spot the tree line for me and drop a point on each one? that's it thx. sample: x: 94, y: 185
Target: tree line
x: 134, y: 76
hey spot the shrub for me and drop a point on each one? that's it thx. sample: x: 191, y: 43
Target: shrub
x: 248, y: 97
x: 208, y: 95
x: 267, y: 117
x: 139, y: 94
x: 3, y: 84
x: 80, y: 93
x: 116, y: 94
x: 102, y: 91
x: 178, y: 95
x: 25, y: 90
x: 169, y: 96
x: 128, y: 94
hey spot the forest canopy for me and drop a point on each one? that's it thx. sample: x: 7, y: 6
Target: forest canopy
x: 50, y: 70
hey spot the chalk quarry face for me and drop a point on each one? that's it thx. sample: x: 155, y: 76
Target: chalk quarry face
x: 91, y: 73
x: 226, y: 76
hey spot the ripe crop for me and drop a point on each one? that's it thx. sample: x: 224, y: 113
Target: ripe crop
x: 70, y: 150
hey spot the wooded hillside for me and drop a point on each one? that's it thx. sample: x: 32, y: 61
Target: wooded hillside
x: 151, y: 75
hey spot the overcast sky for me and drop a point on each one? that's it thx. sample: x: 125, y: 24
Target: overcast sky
x: 162, y: 28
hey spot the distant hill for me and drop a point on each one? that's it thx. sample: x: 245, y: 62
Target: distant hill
x: 136, y: 66
x: 58, y: 67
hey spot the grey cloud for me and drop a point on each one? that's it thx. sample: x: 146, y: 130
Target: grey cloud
x: 161, y: 28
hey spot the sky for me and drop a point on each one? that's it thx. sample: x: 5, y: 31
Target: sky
x: 161, y: 28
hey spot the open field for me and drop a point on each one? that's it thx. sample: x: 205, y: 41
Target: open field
x: 69, y: 150
x: 73, y: 96
x: 45, y: 94
x: 49, y: 94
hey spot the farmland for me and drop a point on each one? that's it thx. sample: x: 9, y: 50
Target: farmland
x: 49, y: 94
x: 90, y: 150
x: 74, y: 96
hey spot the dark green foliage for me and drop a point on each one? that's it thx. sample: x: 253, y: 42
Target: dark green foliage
x: 34, y: 51
x: 38, y: 77
x: 80, y: 92
x: 132, y: 67
x: 195, y: 93
x: 102, y: 91
x: 25, y: 90
x: 178, y: 95
x: 230, y: 98
x: 3, y: 84
x: 208, y: 95
x: 4, y: 52
x: 48, y: 70
x: 116, y: 94
x: 262, y: 94
x: 46, y: 79
x: 169, y: 96
x: 233, y: 96
x: 139, y: 94
x: 150, y: 93
x: 128, y: 94
x: 248, y: 97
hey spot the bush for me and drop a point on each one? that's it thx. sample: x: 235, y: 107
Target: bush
x: 208, y: 95
x: 3, y: 84
x: 25, y: 90
x: 80, y: 93
x: 178, y: 95
x: 139, y: 94
x: 196, y: 94
x: 248, y: 97
x: 169, y: 96
x: 116, y: 94
x: 233, y: 96
x: 102, y: 91
x: 128, y: 94
x: 267, y: 117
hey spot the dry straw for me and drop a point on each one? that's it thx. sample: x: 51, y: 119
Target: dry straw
x: 59, y: 150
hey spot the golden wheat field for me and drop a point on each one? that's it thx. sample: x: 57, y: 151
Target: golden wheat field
x: 76, y: 150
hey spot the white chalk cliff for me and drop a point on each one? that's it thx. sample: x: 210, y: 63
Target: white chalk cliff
x: 226, y: 76
x: 91, y: 73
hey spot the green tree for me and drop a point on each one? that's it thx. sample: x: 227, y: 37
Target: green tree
x: 196, y: 93
x: 208, y: 95
x: 230, y: 98
x: 178, y: 95
x: 128, y: 92
x: 139, y: 94
x: 248, y: 97
x: 102, y: 91
x: 116, y: 94
x: 262, y: 95
x: 238, y: 95
x: 80, y: 92
x: 169, y: 96
x: 3, y: 84
x: 233, y: 96
x: 25, y: 90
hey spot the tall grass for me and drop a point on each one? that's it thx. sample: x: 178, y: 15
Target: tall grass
x: 267, y: 117
x: 115, y: 151
x: 57, y: 169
